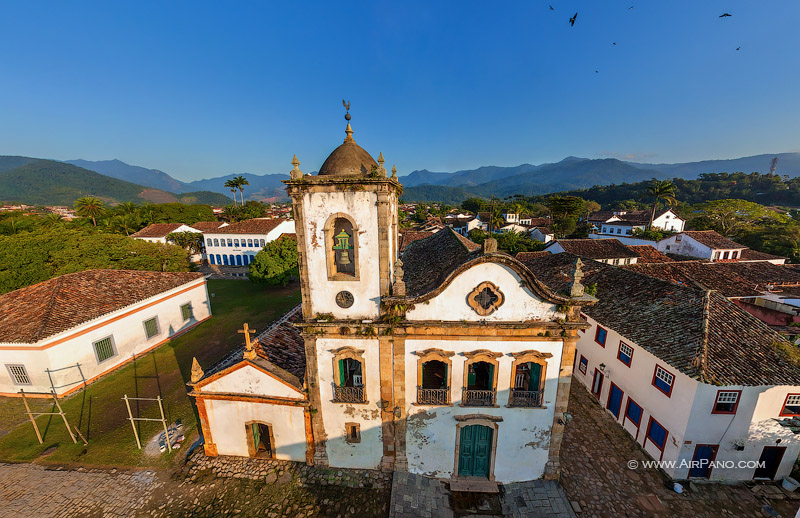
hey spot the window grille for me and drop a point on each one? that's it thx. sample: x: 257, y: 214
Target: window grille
x: 19, y: 374
x: 104, y: 349
x: 186, y: 312
x: 151, y: 327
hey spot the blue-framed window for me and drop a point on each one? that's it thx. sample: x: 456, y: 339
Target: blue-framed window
x: 663, y: 380
x: 211, y: 259
x: 600, y: 336
x: 583, y: 365
x: 657, y: 434
x: 633, y: 412
x: 625, y: 354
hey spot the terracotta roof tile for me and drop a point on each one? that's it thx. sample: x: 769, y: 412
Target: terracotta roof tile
x: 712, y: 239
x: 426, y: 262
x: 595, y: 248
x: 250, y: 226
x: 699, y: 333
x: 527, y: 256
x: 407, y: 237
x: 649, y: 254
x: 31, y: 314
x: 205, y: 226
x: 157, y: 230
x: 749, y: 254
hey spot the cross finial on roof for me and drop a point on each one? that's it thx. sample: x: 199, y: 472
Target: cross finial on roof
x: 249, y: 352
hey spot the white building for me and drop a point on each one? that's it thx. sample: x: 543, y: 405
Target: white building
x: 543, y: 234
x: 237, y: 243
x: 83, y: 325
x: 445, y: 360
x: 158, y: 232
x: 688, y: 374
x: 609, y: 251
x: 703, y: 244
x: 623, y: 223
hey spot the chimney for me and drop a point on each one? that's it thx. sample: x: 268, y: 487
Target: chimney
x: 489, y: 245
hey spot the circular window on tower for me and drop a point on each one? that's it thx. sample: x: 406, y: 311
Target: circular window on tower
x: 344, y: 299
x: 485, y: 298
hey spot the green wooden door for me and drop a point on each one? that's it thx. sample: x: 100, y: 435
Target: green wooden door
x: 475, y: 451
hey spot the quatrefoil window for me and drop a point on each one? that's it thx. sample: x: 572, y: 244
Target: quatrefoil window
x: 485, y: 298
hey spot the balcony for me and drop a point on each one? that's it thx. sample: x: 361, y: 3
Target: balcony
x: 433, y: 396
x: 348, y: 394
x: 525, y: 398
x: 478, y: 397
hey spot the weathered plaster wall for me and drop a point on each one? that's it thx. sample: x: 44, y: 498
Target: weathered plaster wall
x: 341, y: 454
x: 361, y: 207
x: 523, y: 435
x: 249, y: 380
x: 451, y: 304
x: 128, y: 337
x: 227, y: 420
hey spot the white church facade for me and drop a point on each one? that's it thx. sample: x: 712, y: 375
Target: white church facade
x: 448, y: 360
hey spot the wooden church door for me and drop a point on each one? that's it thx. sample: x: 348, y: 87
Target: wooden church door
x: 475, y: 451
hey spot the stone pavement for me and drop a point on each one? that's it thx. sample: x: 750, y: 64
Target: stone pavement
x: 33, y: 491
x: 594, y: 457
x: 417, y: 496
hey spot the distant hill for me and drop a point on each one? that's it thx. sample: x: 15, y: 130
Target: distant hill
x: 48, y: 182
x: 788, y: 164
x: 133, y: 173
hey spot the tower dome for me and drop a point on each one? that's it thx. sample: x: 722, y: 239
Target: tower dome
x: 349, y: 159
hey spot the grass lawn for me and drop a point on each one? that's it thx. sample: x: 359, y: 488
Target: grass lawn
x: 100, y: 413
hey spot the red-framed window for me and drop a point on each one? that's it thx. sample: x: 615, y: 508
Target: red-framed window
x: 625, y: 353
x: 583, y: 364
x: 633, y: 412
x: 657, y: 434
x: 727, y: 401
x: 600, y: 336
x: 663, y: 380
x: 791, y: 406
x: 584, y: 319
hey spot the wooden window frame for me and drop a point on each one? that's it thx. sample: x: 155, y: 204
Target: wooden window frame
x: 251, y: 447
x: 529, y: 356
x: 671, y: 386
x: 783, y: 412
x: 330, y: 259
x: 483, y: 420
x: 625, y: 415
x: 735, y: 405
x: 191, y: 312
x: 597, y: 335
x: 441, y: 356
x: 619, y: 353
x: 583, y: 368
x: 351, y: 353
x: 347, y: 438
x: 647, y: 434
x: 608, y: 399
x: 158, y: 327
x: 482, y: 355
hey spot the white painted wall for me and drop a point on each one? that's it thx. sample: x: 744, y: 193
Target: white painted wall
x: 128, y: 336
x: 669, y: 221
x: 617, y: 229
x: 361, y: 207
x: 227, y: 422
x: 451, y: 304
x: 523, y: 439
x: 163, y: 239
x: 684, y: 245
x: 286, y: 227
x: 249, y: 380
x: 341, y: 454
x: 538, y: 235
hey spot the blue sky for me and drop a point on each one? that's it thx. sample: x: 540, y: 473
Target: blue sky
x: 201, y: 89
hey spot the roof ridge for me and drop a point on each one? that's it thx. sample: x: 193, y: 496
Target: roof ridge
x: 50, y: 304
x: 286, y: 316
x: 706, y: 328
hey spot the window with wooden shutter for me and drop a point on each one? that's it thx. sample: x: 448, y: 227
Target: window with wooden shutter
x: 151, y: 327
x: 186, y: 312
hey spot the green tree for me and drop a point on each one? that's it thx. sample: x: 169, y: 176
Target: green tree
x: 192, y: 242
x: 660, y: 190
x: 276, y: 264
x: 564, y: 211
x: 473, y: 204
x: 231, y: 184
x: 241, y: 181
x: 731, y: 217
x: 89, y: 207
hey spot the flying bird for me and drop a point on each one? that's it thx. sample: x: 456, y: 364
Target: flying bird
x: 614, y: 43
x: 572, y: 20
x: 737, y: 48
x: 723, y: 15
x: 631, y: 7
x: 551, y: 8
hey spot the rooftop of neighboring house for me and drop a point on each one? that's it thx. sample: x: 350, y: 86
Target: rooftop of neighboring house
x: 634, y: 217
x: 427, y: 261
x: 31, y: 314
x: 250, y: 226
x: 407, y: 237
x: 700, y: 333
x: 595, y: 248
x: 157, y: 230
x: 748, y: 254
x: 712, y: 240
x: 527, y: 256
x: 280, y: 350
x: 540, y: 222
x: 733, y: 280
x: 205, y: 226
x: 649, y: 254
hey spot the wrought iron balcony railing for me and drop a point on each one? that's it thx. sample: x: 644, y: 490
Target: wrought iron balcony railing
x: 525, y: 398
x: 433, y: 396
x: 348, y: 394
x: 478, y: 397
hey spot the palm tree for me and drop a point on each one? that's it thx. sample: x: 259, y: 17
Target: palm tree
x: 660, y: 190
x: 52, y: 220
x: 241, y: 181
x: 232, y: 185
x: 89, y: 207
x: 127, y: 207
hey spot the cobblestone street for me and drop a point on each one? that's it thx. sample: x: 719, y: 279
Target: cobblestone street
x: 594, y: 459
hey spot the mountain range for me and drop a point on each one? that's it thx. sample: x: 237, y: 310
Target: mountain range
x: 33, y: 180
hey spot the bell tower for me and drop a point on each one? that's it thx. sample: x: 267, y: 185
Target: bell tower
x: 346, y: 221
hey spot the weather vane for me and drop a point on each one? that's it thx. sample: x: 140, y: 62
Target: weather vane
x: 346, y: 105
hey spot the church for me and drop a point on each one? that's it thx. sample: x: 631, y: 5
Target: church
x: 450, y: 359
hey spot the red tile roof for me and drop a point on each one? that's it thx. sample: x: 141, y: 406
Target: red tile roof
x: 712, y: 239
x: 31, y: 314
x: 649, y: 254
x: 205, y: 226
x: 595, y: 248
x: 250, y: 226
x: 527, y: 256
x: 407, y: 237
x: 157, y: 230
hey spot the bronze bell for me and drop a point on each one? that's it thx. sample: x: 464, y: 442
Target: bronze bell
x: 344, y: 257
